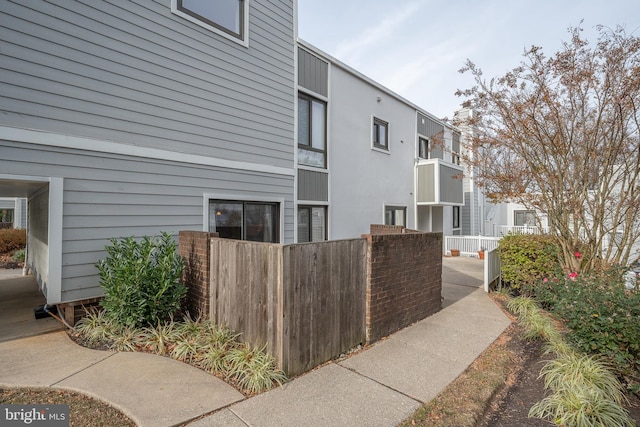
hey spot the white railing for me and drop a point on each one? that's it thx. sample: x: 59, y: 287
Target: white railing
x: 522, y: 229
x: 492, y: 268
x: 469, y: 245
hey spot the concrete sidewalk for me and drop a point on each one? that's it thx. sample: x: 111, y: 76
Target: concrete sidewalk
x: 380, y: 386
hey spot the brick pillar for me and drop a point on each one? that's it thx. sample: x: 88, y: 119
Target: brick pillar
x: 194, y: 247
x: 404, y: 281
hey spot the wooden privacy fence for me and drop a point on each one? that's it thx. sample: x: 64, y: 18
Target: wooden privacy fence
x: 305, y: 301
x: 310, y: 302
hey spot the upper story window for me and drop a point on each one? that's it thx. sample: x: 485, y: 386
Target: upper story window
x: 455, y: 149
x: 226, y: 17
x: 312, y: 131
x: 423, y: 148
x: 455, y: 157
x: 380, y: 134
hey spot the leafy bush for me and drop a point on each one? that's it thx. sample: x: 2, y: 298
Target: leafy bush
x: 141, y: 280
x: 527, y: 258
x: 601, y: 314
x: 12, y: 239
x: 19, y: 255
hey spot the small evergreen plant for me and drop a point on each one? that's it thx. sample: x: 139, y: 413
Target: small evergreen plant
x: 526, y: 259
x: 141, y: 280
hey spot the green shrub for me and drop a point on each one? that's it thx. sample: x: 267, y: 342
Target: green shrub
x: 141, y: 280
x: 601, y: 314
x: 12, y: 239
x: 19, y: 255
x: 527, y: 258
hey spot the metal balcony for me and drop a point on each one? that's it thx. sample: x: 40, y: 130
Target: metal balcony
x: 439, y: 183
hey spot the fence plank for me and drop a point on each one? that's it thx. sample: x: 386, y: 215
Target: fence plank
x: 324, y: 297
x: 245, y: 290
x: 307, y: 301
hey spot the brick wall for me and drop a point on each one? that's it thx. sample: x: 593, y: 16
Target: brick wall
x: 404, y: 279
x: 194, y: 247
x: 385, y: 229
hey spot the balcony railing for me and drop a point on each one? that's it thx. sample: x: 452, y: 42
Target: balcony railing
x: 439, y: 183
x: 469, y: 245
x: 524, y: 229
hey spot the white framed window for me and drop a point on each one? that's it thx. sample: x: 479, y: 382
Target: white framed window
x: 228, y: 18
x: 380, y: 134
x: 395, y: 215
x: 455, y: 158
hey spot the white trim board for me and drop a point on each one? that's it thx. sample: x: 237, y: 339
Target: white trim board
x: 50, y: 139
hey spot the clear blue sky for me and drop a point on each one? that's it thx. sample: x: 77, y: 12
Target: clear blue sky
x: 416, y: 47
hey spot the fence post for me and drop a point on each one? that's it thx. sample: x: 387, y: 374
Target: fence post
x: 486, y: 270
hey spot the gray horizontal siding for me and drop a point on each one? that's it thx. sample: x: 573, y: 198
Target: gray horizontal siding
x: 313, y: 185
x: 108, y: 196
x: 134, y: 72
x: 7, y: 204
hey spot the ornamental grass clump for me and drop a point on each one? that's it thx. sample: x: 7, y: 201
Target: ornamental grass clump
x: 141, y: 280
x: 253, y: 369
x: 96, y: 329
x: 158, y: 339
x: 584, y: 390
x: 198, y: 342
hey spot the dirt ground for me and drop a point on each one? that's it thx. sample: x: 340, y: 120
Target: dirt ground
x: 7, y: 261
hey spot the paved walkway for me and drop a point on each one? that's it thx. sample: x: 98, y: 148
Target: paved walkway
x: 380, y: 386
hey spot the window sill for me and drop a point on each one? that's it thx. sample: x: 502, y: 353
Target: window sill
x: 381, y: 150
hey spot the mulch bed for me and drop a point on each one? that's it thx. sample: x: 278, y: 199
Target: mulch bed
x: 510, y: 405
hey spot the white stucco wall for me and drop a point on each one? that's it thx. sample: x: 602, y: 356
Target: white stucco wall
x: 363, y: 179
